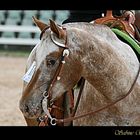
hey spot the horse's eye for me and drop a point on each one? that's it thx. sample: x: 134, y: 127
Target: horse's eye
x: 50, y: 62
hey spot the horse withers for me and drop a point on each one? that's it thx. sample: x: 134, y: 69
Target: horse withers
x: 67, y: 53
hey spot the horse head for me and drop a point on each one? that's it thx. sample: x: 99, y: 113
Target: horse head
x: 56, y: 69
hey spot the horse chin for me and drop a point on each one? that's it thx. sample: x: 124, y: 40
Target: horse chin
x: 32, y: 115
x: 30, y: 111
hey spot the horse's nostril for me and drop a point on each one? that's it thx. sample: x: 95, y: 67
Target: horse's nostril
x: 37, y: 108
x: 26, y: 108
x: 33, y: 110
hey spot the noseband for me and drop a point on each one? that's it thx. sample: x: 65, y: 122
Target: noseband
x: 46, y: 104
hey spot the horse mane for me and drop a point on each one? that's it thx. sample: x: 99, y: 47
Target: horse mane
x: 84, y: 26
x: 95, y: 30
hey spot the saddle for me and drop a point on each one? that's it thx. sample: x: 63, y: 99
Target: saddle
x: 125, y: 31
x: 118, y: 22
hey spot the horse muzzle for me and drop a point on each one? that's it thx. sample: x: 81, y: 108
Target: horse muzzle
x: 31, y: 110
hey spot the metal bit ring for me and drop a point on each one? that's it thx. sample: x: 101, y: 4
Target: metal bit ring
x: 44, y: 94
x: 53, y: 121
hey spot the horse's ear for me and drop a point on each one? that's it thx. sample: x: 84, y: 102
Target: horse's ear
x: 57, y: 30
x: 39, y: 23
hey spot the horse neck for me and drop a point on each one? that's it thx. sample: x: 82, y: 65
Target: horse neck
x: 102, y: 67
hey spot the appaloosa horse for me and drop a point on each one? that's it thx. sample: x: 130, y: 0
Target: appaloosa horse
x: 67, y: 53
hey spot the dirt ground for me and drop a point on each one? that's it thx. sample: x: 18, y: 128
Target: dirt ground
x: 11, y: 71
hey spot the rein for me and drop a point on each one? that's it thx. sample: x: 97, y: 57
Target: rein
x: 102, y: 108
x: 47, y: 93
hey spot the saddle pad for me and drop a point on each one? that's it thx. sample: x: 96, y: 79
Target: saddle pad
x: 128, y: 39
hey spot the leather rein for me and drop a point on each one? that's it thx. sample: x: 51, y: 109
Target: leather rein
x: 46, y: 104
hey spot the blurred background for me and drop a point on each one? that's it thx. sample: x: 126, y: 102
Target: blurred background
x: 18, y: 36
x: 17, y: 27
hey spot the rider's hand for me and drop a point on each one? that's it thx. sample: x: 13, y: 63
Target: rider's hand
x: 130, y: 16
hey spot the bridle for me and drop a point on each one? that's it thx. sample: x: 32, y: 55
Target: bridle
x: 46, y: 104
x: 47, y: 92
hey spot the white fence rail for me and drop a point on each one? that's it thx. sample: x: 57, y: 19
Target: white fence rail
x: 18, y: 41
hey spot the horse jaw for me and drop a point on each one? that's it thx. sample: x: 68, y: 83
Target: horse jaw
x: 57, y: 91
